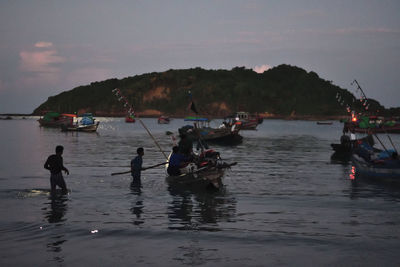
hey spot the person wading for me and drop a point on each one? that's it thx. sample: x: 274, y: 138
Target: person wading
x: 54, y: 164
x: 136, y: 166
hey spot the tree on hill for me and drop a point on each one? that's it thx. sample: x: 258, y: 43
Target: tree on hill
x: 282, y: 90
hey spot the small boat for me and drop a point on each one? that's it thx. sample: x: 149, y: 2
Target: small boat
x: 225, y: 134
x: 86, y: 124
x: 373, y: 163
x: 163, y: 120
x: 130, y: 119
x: 247, y: 121
x: 56, y: 120
x: 324, y: 122
x: 206, y: 172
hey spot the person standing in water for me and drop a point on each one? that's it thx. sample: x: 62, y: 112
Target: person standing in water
x: 54, y: 164
x: 136, y: 166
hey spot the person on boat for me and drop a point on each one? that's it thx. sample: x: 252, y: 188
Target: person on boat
x: 176, y: 161
x: 54, y: 164
x: 185, y: 145
x: 136, y: 166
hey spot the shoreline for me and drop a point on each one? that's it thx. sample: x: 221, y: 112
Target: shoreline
x: 179, y: 116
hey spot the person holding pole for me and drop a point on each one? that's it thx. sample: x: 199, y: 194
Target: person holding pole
x: 136, y: 166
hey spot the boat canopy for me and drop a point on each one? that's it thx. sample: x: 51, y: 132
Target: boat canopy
x: 196, y: 119
x: 69, y: 115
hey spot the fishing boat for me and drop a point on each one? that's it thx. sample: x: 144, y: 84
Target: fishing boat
x: 56, y: 120
x: 374, y: 124
x: 247, y: 121
x: 130, y: 119
x: 383, y: 165
x: 163, y: 120
x: 86, y: 124
x: 224, y: 134
x: 206, y: 171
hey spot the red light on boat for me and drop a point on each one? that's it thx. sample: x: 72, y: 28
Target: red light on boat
x: 352, y: 173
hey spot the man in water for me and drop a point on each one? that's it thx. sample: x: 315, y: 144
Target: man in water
x: 54, y: 164
x: 136, y: 166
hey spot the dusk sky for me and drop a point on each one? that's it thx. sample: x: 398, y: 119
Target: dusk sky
x: 48, y: 47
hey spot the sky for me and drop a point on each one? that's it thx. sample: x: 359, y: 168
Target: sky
x: 50, y: 46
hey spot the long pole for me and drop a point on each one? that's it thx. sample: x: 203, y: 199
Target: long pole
x: 390, y: 139
x: 117, y: 93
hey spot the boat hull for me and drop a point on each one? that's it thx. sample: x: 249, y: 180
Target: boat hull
x: 379, y: 171
x: 211, y: 177
x: 81, y: 128
x: 57, y: 123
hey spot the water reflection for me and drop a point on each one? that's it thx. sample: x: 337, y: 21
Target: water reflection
x: 137, y: 205
x: 58, y: 209
x: 367, y: 187
x: 199, y: 210
x: 55, y: 215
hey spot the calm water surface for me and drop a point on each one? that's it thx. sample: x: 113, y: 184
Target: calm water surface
x: 285, y: 203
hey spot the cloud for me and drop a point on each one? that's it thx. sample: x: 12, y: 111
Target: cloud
x: 43, y: 44
x: 40, y: 65
x: 40, y: 61
x: 367, y: 30
x: 262, y: 68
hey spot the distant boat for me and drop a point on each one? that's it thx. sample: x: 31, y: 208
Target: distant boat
x: 56, y: 120
x: 248, y: 122
x: 86, y: 124
x: 201, y: 129
x: 163, y: 120
x: 130, y: 119
x: 324, y: 122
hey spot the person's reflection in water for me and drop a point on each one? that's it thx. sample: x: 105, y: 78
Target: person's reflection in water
x: 58, y: 209
x: 137, y: 209
x: 56, y: 215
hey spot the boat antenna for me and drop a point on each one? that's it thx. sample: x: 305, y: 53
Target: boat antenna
x: 123, y: 99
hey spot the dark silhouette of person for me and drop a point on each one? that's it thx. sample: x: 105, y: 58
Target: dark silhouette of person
x: 54, y: 164
x: 136, y: 166
x: 176, y: 161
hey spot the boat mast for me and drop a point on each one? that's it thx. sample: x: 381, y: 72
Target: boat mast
x: 121, y: 98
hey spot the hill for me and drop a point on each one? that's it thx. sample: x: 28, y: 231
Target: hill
x: 283, y: 90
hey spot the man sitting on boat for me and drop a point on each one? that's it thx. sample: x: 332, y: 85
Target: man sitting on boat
x: 176, y: 162
x: 185, y: 145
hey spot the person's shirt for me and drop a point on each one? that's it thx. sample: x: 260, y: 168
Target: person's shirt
x: 136, y: 165
x: 353, y: 136
x: 54, y: 164
x: 176, y: 159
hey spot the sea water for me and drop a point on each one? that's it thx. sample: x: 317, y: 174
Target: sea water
x: 286, y: 202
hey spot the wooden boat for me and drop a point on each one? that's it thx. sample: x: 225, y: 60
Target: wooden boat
x: 86, y: 124
x: 56, y: 120
x: 247, y: 121
x: 373, y: 163
x: 81, y: 128
x: 130, y: 119
x: 373, y: 124
x: 206, y: 172
x: 163, y: 120
x: 201, y: 130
